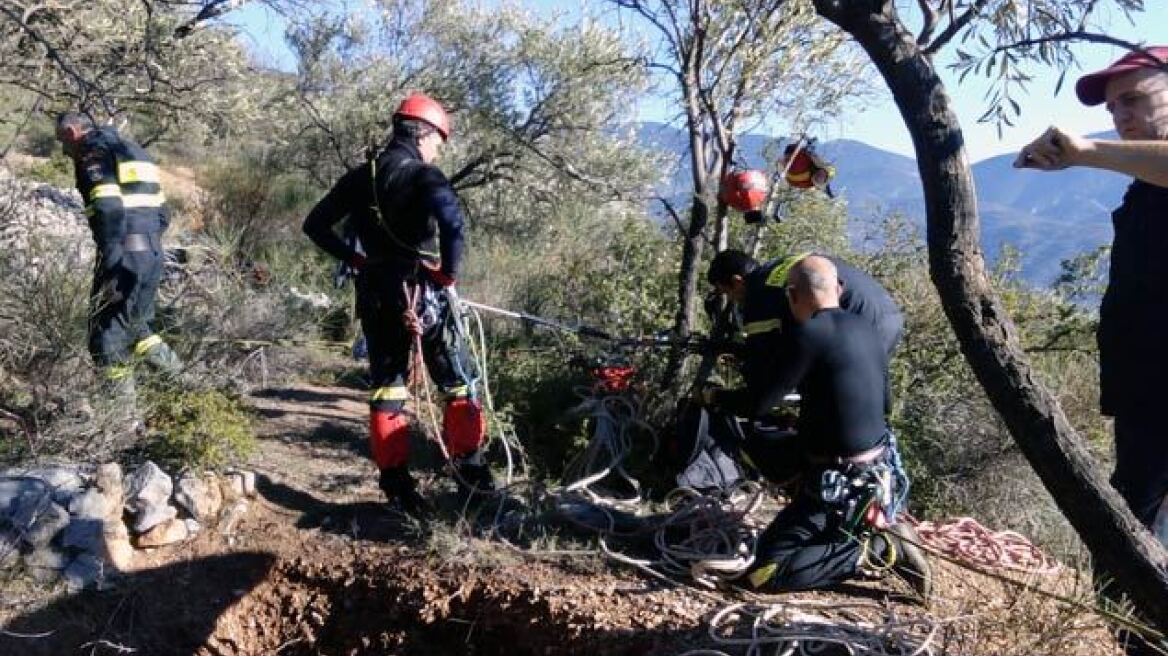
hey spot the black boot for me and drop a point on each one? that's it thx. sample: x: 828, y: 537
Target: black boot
x: 474, y: 476
x: 398, y: 485
x: 895, y: 549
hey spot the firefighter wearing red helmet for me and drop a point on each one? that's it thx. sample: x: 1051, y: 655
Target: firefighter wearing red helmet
x: 745, y: 191
x: 411, y: 232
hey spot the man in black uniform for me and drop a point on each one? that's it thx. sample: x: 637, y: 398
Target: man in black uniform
x: 398, y: 203
x: 120, y: 186
x: 759, y: 292
x: 838, y: 362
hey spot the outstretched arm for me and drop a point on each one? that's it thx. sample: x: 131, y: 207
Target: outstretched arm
x: 1055, y: 150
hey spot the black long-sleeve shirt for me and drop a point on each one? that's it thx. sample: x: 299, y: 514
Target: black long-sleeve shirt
x: 416, y: 204
x: 836, y: 361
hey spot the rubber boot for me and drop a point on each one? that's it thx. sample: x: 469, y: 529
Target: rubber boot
x: 399, y: 486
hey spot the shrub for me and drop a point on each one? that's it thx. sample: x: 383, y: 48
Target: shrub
x: 198, y: 429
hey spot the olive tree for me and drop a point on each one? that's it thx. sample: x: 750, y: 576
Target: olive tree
x: 1003, y: 37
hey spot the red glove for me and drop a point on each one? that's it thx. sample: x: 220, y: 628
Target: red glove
x: 357, y: 261
x: 438, y: 276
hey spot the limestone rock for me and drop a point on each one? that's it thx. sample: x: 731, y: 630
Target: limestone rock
x: 22, y: 500
x: 118, y: 551
x: 85, y: 571
x: 46, y: 557
x: 148, y: 497
x: 9, y: 549
x: 90, y: 504
x: 47, y: 526
x: 232, y: 516
x: 110, y: 481
x: 65, y: 481
x: 168, y: 532
x: 200, y: 496
x: 85, y: 534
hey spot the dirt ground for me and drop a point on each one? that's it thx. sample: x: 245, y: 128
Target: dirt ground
x: 320, y: 567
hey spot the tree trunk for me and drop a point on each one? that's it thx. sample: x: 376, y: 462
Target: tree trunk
x: 1118, y: 542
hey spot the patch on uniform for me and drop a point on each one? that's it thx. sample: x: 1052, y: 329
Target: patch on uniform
x: 94, y: 166
x: 94, y: 172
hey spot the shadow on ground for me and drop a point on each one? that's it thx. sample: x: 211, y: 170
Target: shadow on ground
x: 168, y: 610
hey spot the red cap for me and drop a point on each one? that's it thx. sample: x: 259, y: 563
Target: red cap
x: 1092, y: 88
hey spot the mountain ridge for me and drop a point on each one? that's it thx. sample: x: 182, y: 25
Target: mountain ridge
x: 1047, y: 217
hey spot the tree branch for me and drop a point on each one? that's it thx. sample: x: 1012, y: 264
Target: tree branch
x: 955, y: 27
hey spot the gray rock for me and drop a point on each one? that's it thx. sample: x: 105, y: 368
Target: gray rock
x: 90, y: 504
x: 22, y: 500
x: 200, y: 496
x: 85, y: 534
x: 65, y: 481
x: 148, y: 497
x: 232, y: 516
x: 9, y: 550
x: 47, y: 526
x: 46, y: 558
x: 85, y: 571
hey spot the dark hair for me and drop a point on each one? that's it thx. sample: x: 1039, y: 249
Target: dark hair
x: 727, y: 264
x: 411, y: 128
x: 74, y: 120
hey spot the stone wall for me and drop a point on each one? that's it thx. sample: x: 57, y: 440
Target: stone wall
x: 84, y: 524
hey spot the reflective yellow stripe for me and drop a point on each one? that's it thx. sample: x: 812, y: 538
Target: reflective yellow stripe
x: 395, y: 393
x: 129, y: 172
x: 763, y: 574
x: 799, y: 177
x: 778, y: 277
x: 459, y: 392
x: 756, y: 327
x: 143, y: 200
x: 105, y: 191
x: 118, y: 372
x: 143, y: 346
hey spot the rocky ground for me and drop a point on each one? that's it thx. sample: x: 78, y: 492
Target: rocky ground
x: 319, y: 567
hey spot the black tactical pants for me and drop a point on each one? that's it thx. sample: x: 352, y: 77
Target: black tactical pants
x: 122, y: 301
x: 381, y: 305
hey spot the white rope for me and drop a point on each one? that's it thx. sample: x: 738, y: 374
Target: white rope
x: 807, y: 627
x: 616, y: 422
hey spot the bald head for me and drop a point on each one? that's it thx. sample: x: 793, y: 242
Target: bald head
x: 813, y: 284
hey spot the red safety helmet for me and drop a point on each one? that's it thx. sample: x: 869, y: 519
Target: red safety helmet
x: 421, y: 107
x: 745, y: 191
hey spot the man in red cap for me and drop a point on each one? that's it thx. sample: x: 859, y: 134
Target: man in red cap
x: 1133, y: 349
x: 407, y: 218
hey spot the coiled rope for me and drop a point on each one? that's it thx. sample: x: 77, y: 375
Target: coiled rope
x: 966, y: 540
x: 807, y: 627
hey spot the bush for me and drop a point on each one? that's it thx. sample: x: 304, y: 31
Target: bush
x: 198, y: 430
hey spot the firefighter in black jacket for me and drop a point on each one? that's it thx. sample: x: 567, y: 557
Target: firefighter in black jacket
x: 398, y: 203
x: 124, y: 203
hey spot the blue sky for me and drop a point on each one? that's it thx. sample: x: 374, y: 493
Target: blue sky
x: 877, y: 122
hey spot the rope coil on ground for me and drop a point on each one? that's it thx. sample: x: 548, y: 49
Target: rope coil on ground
x: 967, y: 540
x: 806, y: 627
x: 616, y: 421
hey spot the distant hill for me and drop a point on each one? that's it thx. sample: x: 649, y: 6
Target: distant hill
x: 1048, y: 217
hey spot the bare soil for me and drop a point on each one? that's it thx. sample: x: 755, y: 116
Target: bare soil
x: 319, y: 566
